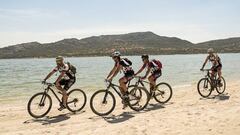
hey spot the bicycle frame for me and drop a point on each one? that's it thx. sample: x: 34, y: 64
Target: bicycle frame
x: 139, y: 81
x: 212, y: 80
x: 46, y: 91
x: 113, y: 86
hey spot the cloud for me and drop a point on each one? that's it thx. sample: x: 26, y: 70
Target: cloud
x: 30, y: 14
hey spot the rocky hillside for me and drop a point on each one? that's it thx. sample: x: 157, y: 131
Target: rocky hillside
x: 128, y: 44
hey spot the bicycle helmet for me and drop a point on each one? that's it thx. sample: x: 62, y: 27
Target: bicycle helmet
x: 210, y: 50
x: 116, y: 54
x: 145, y: 56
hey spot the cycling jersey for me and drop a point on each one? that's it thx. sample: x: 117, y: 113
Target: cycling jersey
x: 154, y: 65
x: 65, y: 68
x: 215, y: 60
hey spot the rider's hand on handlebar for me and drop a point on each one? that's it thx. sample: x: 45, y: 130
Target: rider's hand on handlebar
x: 44, y: 81
x: 108, y: 80
x: 201, y: 69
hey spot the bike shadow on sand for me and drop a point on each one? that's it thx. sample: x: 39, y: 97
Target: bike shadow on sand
x: 118, y: 118
x: 152, y: 107
x: 220, y: 97
x: 53, y: 119
x: 128, y: 115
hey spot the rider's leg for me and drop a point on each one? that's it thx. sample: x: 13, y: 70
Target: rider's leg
x: 64, y: 93
x: 123, y: 87
x: 152, y: 81
x: 219, y: 70
x: 213, y: 72
x: 67, y: 86
x: 64, y: 97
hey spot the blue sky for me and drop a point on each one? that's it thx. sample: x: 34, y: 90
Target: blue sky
x: 52, y: 20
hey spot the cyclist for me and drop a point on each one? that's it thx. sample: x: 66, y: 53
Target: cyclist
x: 216, y: 64
x: 153, y: 66
x: 125, y: 65
x: 65, y: 79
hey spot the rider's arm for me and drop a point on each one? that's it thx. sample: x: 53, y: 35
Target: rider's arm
x: 148, y: 71
x: 111, y: 72
x: 141, y: 69
x: 50, y: 74
x: 217, y: 58
x: 205, y: 63
x: 115, y: 72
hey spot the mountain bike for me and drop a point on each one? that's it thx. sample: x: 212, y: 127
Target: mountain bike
x: 207, y: 84
x: 40, y: 104
x: 103, y: 101
x: 162, y: 92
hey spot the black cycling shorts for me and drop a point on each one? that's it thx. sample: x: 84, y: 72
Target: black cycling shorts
x: 215, y: 68
x: 156, y: 74
x: 67, y: 83
x: 129, y: 75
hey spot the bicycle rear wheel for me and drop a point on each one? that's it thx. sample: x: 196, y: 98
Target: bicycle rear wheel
x: 222, y: 86
x: 39, y: 105
x: 204, y: 87
x: 102, y: 102
x: 76, y: 100
x: 138, y: 101
x: 163, y: 92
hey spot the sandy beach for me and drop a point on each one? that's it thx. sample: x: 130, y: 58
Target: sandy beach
x: 186, y: 114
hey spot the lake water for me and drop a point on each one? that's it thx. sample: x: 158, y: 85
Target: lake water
x: 20, y: 78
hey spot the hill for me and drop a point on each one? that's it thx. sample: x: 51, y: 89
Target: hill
x: 129, y: 44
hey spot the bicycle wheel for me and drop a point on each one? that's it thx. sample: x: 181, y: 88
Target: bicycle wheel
x: 163, y: 93
x: 136, y: 102
x: 204, y: 87
x: 76, y: 100
x: 102, y: 102
x: 221, y: 87
x: 134, y: 93
x: 39, y: 105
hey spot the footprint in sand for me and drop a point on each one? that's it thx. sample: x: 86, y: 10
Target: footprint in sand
x: 2, y: 115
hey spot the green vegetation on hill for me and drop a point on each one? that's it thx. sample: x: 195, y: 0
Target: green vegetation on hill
x: 129, y: 44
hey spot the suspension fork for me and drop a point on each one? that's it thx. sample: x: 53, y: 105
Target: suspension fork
x: 44, y: 96
x: 206, y: 83
x: 105, y: 96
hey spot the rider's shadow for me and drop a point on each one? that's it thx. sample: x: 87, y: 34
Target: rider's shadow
x: 221, y: 97
x: 51, y: 120
x: 119, y: 118
x: 152, y: 107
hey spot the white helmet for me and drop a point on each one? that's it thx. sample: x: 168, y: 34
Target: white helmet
x: 116, y: 54
x: 59, y: 58
x: 210, y: 50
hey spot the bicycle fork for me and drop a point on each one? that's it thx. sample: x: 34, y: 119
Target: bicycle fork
x: 42, y: 101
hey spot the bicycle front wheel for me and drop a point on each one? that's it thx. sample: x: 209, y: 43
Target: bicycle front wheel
x: 163, y: 93
x: 39, y: 105
x: 76, y: 100
x: 221, y: 86
x: 102, y: 102
x: 138, y: 98
x: 204, y: 87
